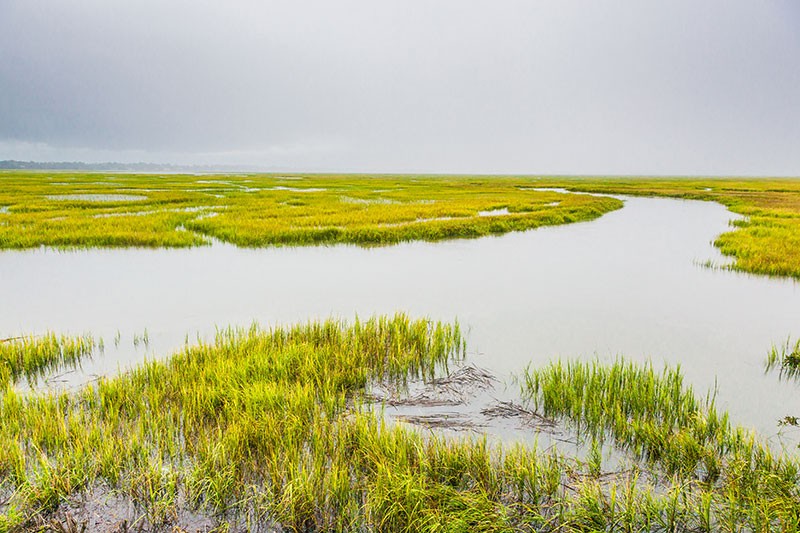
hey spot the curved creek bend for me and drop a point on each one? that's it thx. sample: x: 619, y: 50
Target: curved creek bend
x: 628, y: 284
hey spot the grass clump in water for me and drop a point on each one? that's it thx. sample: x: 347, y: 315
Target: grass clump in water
x: 786, y: 359
x: 648, y: 413
x: 734, y: 481
x: 33, y: 356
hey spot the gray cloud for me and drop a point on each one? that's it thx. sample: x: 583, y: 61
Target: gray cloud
x: 497, y: 86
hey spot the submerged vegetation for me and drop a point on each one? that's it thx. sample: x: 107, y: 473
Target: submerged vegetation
x: 82, y: 210
x: 269, y: 429
x: 786, y: 359
x: 651, y: 414
x: 33, y: 356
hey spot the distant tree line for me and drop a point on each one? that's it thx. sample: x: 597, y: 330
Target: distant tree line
x: 11, y: 164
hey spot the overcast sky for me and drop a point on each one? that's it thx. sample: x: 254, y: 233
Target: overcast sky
x: 563, y: 86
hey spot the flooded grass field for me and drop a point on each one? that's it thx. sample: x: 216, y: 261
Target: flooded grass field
x: 601, y: 374
x: 86, y: 210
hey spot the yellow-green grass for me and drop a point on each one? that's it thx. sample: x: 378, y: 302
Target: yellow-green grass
x: 271, y: 209
x: 32, y: 356
x: 767, y: 241
x: 660, y: 420
x: 57, y: 209
x: 269, y: 425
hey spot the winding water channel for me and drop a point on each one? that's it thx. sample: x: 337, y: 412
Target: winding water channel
x: 629, y: 283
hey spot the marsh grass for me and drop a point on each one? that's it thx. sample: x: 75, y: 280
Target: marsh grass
x: 786, y: 359
x: 33, y: 356
x: 734, y: 481
x: 274, y: 425
x: 268, y: 408
x: 268, y: 210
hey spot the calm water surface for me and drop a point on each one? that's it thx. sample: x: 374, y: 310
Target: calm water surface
x: 626, y: 284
